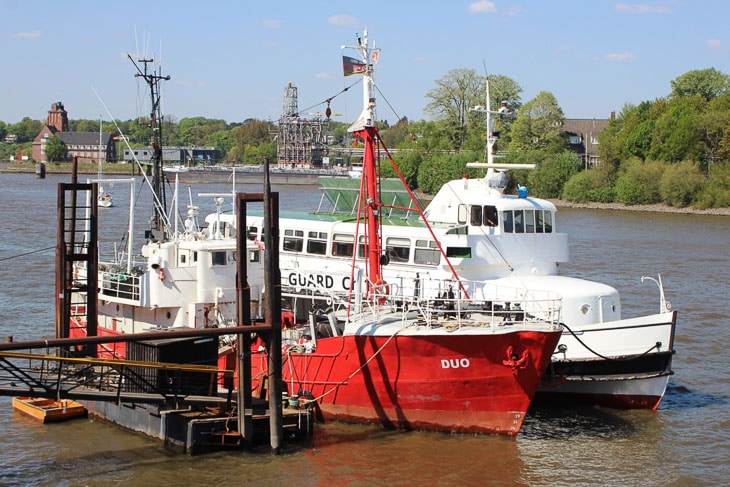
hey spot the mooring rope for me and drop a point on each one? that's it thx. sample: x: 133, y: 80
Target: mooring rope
x: 356, y: 371
x: 27, y: 253
x: 627, y: 359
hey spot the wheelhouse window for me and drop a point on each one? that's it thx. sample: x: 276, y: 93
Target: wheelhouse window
x: 527, y: 221
x: 398, y: 249
x: 218, y: 257
x: 548, y: 223
x: 462, y: 213
x: 343, y: 245
x: 426, y: 252
x: 476, y: 215
x: 539, y: 221
x: 317, y: 243
x: 509, y: 225
x: 519, y: 219
x: 293, y: 240
x: 491, y: 218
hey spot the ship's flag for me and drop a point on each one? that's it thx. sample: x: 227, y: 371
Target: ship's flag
x: 350, y: 65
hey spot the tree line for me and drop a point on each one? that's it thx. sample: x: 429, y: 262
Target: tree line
x: 673, y: 150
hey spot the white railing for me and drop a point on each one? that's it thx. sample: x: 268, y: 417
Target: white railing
x: 462, y: 303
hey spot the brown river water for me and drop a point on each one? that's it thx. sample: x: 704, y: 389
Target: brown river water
x: 685, y: 442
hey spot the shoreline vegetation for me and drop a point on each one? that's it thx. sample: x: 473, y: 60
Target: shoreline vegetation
x: 656, y: 208
x: 125, y: 169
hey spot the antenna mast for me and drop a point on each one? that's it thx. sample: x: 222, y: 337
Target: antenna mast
x: 158, y: 187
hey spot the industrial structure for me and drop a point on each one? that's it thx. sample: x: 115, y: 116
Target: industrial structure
x: 301, y: 142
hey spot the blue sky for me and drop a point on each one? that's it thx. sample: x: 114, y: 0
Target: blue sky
x: 231, y: 59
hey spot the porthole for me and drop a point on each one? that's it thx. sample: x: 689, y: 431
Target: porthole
x: 585, y: 309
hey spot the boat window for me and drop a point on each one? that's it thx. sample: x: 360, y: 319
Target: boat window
x: 461, y: 214
x: 218, y: 257
x: 252, y: 232
x: 426, y: 252
x: 460, y: 230
x: 293, y: 240
x: 476, y: 215
x: 398, y: 249
x: 490, y: 216
x: 342, y: 245
x: 508, y: 223
x: 317, y: 243
x: 519, y: 217
x: 529, y: 221
x: 361, y: 247
x: 183, y: 258
x: 538, y: 221
x: 548, y: 222
x: 254, y: 255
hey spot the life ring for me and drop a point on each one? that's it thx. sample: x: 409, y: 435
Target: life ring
x: 161, y: 274
x: 382, y: 291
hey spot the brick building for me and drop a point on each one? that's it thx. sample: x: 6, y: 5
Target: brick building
x: 86, y: 146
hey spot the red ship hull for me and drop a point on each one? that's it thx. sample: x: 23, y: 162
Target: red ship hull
x: 456, y: 383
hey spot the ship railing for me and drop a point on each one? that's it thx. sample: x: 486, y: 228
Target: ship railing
x: 467, y: 303
x: 117, y: 283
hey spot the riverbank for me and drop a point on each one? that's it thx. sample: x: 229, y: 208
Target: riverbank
x: 126, y: 169
x: 656, y: 208
x: 65, y: 168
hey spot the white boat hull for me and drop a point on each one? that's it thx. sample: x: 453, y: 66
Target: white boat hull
x: 622, y: 392
x: 635, y: 380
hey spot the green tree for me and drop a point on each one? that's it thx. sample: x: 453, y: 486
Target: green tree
x: 55, y: 148
x: 706, y: 83
x: 680, y: 183
x: 539, y: 125
x: 426, y: 137
x: 395, y: 135
x: 455, y: 93
x: 550, y: 178
x: 26, y: 129
x: 408, y: 164
x: 638, y: 183
x: 438, y: 169
x: 677, y: 135
x: 716, y: 192
x: 588, y: 186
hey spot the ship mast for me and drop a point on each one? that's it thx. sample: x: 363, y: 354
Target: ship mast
x: 158, y: 187
x: 365, y: 129
x: 492, y: 137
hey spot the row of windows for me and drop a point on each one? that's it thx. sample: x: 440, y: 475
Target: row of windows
x: 86, y: 147
x: 527, y: 221
x: 398, y: 249
x: 513, y: 221
x: 217, y: 257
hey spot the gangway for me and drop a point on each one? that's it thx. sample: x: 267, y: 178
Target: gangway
x: 30, y: 369
x: 50, y: 376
